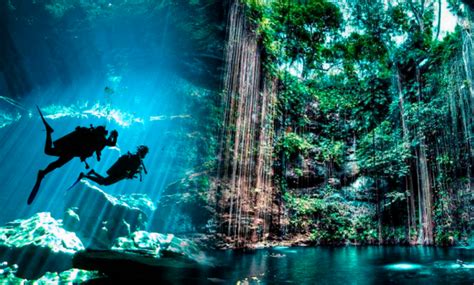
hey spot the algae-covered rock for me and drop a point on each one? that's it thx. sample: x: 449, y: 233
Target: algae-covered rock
x: 144, y: 255
x: 159, y: 245
x: 38, y: 244
x: 183, y: 247
x: 74, y: 276
x: 71, y: 276
x: 188, y: 201
x: 7, y: 274
x: 99, y: 218
x: 40, y: 230
x: 140, y: 241
x: 139, y: 201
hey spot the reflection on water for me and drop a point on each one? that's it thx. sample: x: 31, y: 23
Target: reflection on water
x: 8, y: 118
x: 97, y: 110
x: 348, y: 265
x: 403, y: 266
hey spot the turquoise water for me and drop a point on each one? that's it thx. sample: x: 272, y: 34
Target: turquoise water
x: 122, y: 65
x: 349, y: 265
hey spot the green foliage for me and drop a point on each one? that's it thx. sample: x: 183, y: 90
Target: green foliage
x: 296, y: 31
x: 456, y: 6
x: 293, y: 97
x: 427, y: 118
x: 331, y: 151
x: 302, y: 209
x: 334, y: 228
x: 452, y: 220
x: 328, y: 220
x: 383, y: 153
x: 446, y: 238
x: 399, y: 18
x: 339, y: 226
x: 379, y: 82
x: 334, y: 99
x: 303, y: 206
x: 447, y: 49
x: 394, y: 235
x: 304, y: 27
x: 292, y: 144
x: 298, y: 172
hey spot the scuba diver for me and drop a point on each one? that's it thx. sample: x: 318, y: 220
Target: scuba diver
x: 128, y: 166
x: 83, y: 142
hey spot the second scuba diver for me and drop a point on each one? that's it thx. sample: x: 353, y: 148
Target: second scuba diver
x: 128, y: 166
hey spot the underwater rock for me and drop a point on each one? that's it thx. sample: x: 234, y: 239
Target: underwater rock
x: 146, y: 256
x: 99, y: 218
x: 139, y: 201
x: 159, y: 245
x: 37, y: 245
x: 184, y: 206
x: 7, y: 274
x: 71, y: 276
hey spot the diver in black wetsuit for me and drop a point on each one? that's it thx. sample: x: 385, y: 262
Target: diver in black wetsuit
x: 128, y: 166
x: 82, y: 142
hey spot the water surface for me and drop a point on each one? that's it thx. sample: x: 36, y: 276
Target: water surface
x: 348, y: 265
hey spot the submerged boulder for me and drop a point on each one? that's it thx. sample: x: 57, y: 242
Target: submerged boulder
x: 99, y: 218
x: 184, y: 206
x: 37, y: 245
x: 149, y: 256
x: 159, y: 245
x: 71, y: 276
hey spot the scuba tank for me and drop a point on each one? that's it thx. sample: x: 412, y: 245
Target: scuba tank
x: 126, y: 166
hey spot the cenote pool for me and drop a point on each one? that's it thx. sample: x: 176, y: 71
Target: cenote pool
x: 347, y: 265
x: 256, y: 119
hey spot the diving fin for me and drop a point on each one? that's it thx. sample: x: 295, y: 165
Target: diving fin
x: 77, y: 181
x: 35, y: 188
x: 49, y: 129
